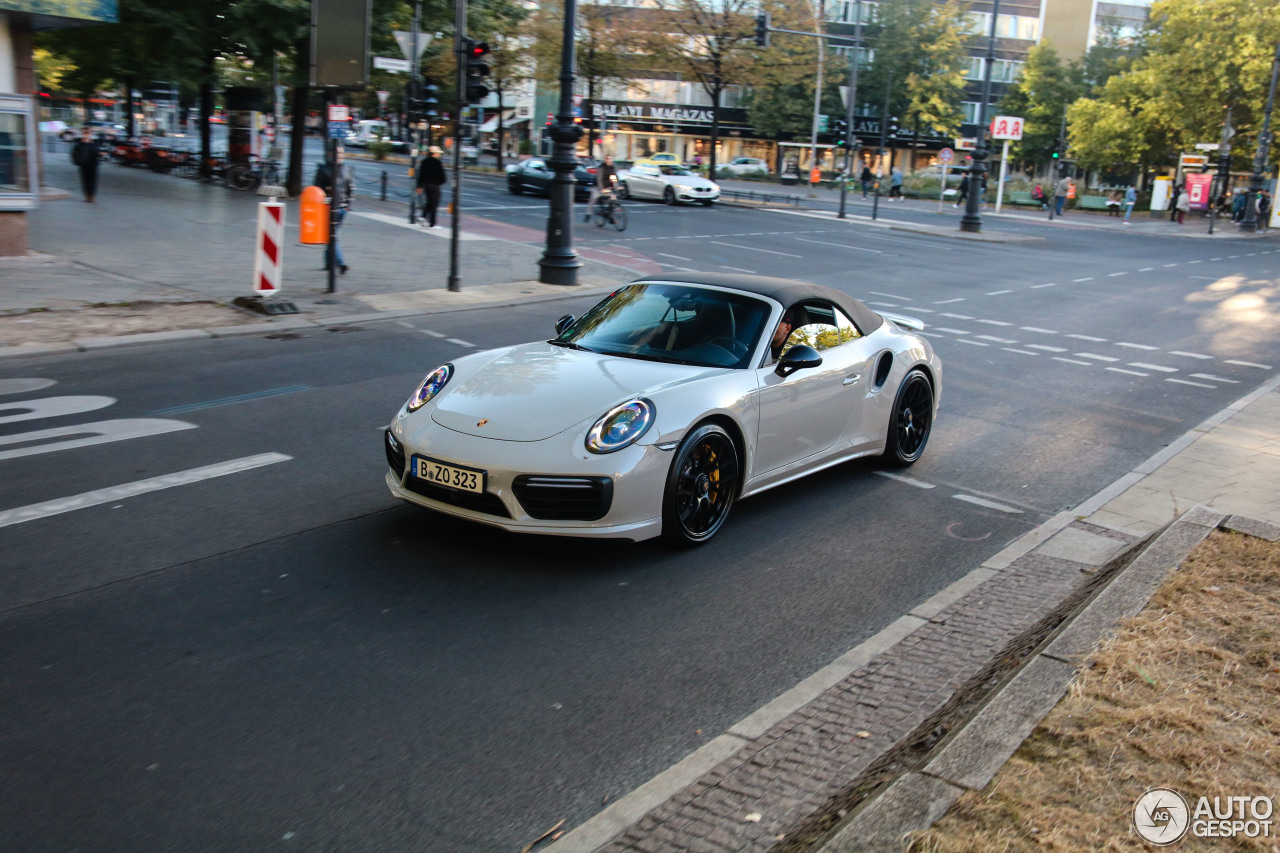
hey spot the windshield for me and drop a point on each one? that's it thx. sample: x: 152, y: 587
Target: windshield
x: 675, y: 170
x: 679, y: 323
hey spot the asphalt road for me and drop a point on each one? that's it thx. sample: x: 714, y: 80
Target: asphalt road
x: 285, y: 657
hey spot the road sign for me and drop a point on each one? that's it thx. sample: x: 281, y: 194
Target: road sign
x: 1006, y: 127
x: 1207, y: 146
x: 390, y: 63
x: 405, y: 40
x: 339, y: 112
x: 966, y: 143
x: 824, y: 123
x: 946, y: 155
x: 267, y: 261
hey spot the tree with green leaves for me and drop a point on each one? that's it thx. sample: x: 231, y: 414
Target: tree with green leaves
x: 711, y: 42
x: 920, y: 61
x: 1199, y: 56
x: 780, y: 101
x: 1040, y: 96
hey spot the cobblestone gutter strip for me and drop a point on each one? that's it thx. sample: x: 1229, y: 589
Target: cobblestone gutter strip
x: 975, y: 753
x: 800, y: 765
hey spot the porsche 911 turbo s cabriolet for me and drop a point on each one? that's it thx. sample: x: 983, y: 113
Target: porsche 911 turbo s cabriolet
x: 657, y: 409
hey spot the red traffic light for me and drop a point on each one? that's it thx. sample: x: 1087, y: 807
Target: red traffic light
x: 479, y: 49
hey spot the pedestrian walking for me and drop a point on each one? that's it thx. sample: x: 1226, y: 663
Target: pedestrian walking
x: 85, y: 155
x: 1130, y: 199
x: 1264, y: 212
x: 1181, y: 206
x: 1238, y: 205
x: 964, y: 190
x: 867, y: 179
x: 342, y: 196
x: 1173, y: 203
x: 431, y: 177
x: 1060, y: 192
x: 895, y: 184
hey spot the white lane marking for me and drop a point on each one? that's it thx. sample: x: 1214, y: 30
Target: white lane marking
x: 949, y: 301
x: 1019, y: 351
x: 460, y: 343
x: 139, y: 487
x: 836, y: 245
x: 52, y: 407
x: 890, y: 295
x: 1114, y: 274
x: 98, y: 432
x: 1156, y: 367
x: 915, y: 310
x: 24, y: 386
x: 1166, y: 266
x: 930, y: 335
x: 1190, y: 354
x: 1189, y: 382
x: 1086, y: 278
x: 1214, y: 259
x: 1249, y: 364
x: 400, y: 222
x: 735, y: 269
x: 1213, y: 378
x: 1073, y: 361
x: 432, y: 333
x: 1233, y: 256
x: 1095, y: 357
x: 1130, y: 372
x: 754, y: 249
x: 1149, y: 269
x: 975, y: 343
x: 996, y: 340
x: 1088, y: 338
x: 886, y: 304
x: 1038, y: 286
x: 956, y: 316
x: 994, y: 322
x: 1196, y: 262
x: 950, y: 331
x: 910, y: 481
x: 1137, y: 346
x: 1046, y: 348
x: 406, y: 324
x: 988, y: 504
x: 998, y: 292
x: 677, y: 257
x: 1041, y: 331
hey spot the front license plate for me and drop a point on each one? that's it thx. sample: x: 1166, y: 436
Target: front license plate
x: 449, y: 476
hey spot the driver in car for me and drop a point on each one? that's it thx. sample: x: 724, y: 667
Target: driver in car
x: 780, y: 335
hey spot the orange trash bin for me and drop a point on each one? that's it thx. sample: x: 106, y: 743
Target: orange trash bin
x: 313, y: 217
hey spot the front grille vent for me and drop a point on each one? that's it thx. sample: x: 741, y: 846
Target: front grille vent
x: 564, y: 498
x: 395, y: 454
x: 487, y: 503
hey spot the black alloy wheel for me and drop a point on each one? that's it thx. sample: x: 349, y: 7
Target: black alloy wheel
x: 701, y: 486
x: 669, y: 196
x: 911, y: 420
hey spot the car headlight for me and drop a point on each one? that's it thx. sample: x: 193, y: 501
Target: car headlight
x: 621, y: 426
x: 431, y: 386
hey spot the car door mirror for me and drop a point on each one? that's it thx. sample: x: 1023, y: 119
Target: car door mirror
x: 563, y: 323
x: 799, y: 357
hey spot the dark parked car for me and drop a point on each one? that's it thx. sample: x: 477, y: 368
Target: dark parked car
x: 535, y: 175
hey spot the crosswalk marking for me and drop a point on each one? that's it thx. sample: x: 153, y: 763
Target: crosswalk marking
x: 84, y: 435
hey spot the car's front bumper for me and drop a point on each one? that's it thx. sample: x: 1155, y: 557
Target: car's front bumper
x: 691, y: 194
x: 637, y: 477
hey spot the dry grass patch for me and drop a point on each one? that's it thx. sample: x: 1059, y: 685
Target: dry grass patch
x: 1185, y: 696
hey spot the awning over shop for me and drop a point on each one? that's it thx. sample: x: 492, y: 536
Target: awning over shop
x: 491, y: 126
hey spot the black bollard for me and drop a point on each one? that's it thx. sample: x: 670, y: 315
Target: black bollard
x: 384, y: 185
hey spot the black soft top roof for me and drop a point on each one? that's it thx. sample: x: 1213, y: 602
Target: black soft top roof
x: 784, y: 290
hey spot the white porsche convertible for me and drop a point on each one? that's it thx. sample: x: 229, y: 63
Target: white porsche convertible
x: 664, y: 404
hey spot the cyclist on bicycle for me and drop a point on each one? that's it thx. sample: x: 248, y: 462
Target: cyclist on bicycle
x: 606, y: 177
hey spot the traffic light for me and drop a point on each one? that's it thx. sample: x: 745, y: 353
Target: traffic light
x: 892, y: 128
x: 1057, y: 148
x: 430, y: 100
x: 762, y: 29
x: 476, y: 56
x: 413, y: 99
x: 841, y: 133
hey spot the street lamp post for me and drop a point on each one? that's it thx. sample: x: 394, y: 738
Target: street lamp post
x: 560, y: 262
x: 848, y: 107
x: 1250, y: 221
x: 971, y: 221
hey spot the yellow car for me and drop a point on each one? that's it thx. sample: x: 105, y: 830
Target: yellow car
x: 665, y: 158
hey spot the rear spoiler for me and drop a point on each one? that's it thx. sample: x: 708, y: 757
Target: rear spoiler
x: 904, y: 321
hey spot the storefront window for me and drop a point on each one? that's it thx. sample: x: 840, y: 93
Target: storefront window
x: 16, y: 140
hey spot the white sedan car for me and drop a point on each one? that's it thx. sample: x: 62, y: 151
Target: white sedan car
x: 744, y: 166
x: 663, y: 405
x: 670, y: 183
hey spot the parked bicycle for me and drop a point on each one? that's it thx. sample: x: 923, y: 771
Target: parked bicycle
x: 608, y: 210
x: 253, y: 174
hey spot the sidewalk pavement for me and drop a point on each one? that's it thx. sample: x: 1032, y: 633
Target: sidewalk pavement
x: 896, y: 707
